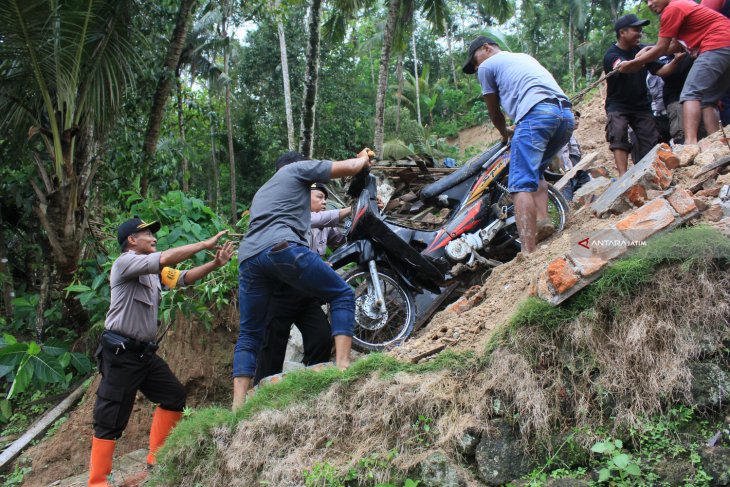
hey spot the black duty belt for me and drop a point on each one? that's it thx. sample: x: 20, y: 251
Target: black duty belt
x: 119, y: 344
x: 557, y: 101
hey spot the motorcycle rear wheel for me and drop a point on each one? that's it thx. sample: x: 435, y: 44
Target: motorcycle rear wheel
x: 374, y: 331
x: 558, y: 211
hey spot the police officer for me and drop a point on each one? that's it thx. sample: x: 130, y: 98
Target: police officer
x: 127, y: 359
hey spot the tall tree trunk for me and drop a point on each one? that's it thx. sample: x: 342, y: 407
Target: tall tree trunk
x: 451, y: 55
x: 393, y: 7
x: 181, y: 128
x: 6, y: 278
x: 372, y: 65
x: 311, y: 77
x: 571, y: 51
x: 287, y: 87
x: 229, y: 128
x: 399, y: 96
x: 417, y: 80
x: 43, y: 300
x: 216, y: 187
x: 164, y: 87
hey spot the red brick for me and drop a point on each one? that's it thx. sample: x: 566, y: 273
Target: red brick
x: 667, y: 157
x: 711, y: 192
x: 636, y: 195
x: 682, y: 202
x: 644, y: 222
x: 561, y: 275
x: 663, y: 174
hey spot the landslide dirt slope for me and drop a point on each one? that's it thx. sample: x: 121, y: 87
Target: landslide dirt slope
x: 468, y: 327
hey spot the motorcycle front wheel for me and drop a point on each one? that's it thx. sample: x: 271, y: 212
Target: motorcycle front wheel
x: 375, y: 330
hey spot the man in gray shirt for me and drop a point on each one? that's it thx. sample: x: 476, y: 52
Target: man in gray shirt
x: 544, y: 123
x: 275, y: 251
x: 126, y: 356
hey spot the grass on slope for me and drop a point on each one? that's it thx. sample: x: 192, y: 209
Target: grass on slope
x: 525, y: 363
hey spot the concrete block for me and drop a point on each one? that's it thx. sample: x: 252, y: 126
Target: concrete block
x: 590, y: 191
x: 587, y: 266
x: 644, y: 222
x: 588, y: 161
x: 605, y: 244
x: 649, y: 173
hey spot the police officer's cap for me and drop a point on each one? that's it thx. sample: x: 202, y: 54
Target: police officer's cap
x: 320, y: 187
x: 134, y: 225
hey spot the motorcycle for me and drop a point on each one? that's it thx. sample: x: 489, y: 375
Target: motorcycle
x: 402, y: 273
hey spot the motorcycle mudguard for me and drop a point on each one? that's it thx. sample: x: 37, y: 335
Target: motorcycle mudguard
x: 357, y: 251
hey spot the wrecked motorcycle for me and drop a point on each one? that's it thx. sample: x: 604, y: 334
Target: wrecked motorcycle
x: 402, y: 273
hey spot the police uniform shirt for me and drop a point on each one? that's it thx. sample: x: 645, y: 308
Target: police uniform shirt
x: 135, y: 294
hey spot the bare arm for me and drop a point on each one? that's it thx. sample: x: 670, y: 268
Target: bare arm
x: 350, y: 167
x: 659, y: 49
x: 496, y: 115
x: 222, y: 257
x: 172, y: 257
x: 672, y: 66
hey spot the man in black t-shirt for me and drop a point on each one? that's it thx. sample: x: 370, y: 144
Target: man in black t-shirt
x: 627, y: 100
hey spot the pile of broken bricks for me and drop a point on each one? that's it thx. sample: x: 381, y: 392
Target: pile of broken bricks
x: 665, y: 189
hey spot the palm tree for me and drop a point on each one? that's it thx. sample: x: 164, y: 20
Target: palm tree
x: 65, y: 67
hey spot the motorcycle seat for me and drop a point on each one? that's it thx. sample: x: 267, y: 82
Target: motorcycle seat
x: 430, y: 193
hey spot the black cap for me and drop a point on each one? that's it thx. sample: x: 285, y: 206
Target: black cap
x: 629, y: 20
x: 468, y: 67
x: 320, y: 187
x: 130, y: 227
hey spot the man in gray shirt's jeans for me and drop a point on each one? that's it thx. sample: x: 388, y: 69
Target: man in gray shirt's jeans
x: 275, y: 252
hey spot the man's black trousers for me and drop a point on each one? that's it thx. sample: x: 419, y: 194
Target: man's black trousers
x: 305, y: 312
x: 123, y: 374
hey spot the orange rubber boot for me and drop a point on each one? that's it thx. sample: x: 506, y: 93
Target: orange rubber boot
x: 100, y: 466
x: 162, y: 423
